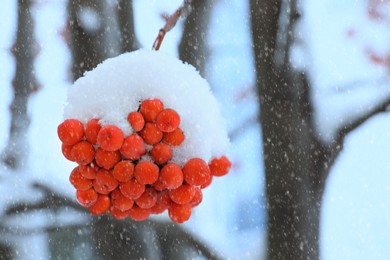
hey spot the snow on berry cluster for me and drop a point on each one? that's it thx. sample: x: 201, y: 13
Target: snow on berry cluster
x: 133, y: 176
x: 147, y: 136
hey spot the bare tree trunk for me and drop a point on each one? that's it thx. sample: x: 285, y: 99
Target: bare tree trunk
x: 88, y: 34
x: 193, y: 45
x: 295, y: 160
x: 24, y: 83
x: 126, y: 17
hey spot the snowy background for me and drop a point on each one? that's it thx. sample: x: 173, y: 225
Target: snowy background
x: 356, y: 209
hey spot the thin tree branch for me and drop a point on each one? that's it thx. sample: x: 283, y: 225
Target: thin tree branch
x: 380, y: 107
x: 236, y: 132
x: 171, y: 22
x: 24, y: 84
x: 51, y: 200
x: 126, y: 26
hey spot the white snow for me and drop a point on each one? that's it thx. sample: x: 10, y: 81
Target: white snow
x: 117, y: 86
x: 89, y: 19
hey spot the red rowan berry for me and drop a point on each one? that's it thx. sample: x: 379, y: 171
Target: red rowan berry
x: 150, y: 108
x: 179, y: 213
x: 136, y: 121
x: 147, y: 199
x: 161, y: 153
x: 101, y: 205
x: 220, y: 166
x: 78, y: 180
x: 88, y: 171
x: 183, y: 194
x: 123, y: 171
x: 196, y: 171
x: 71, y: 131
x: 168, y: 120
x: 138, y: 214
x: 110, y: 138
x: 171, y: 176
x: 117, y: 213
x: 92, y: 129
x: 151, y: 134
x: 120, y: 201
x: 174, y: 138
x: 162, y: 203
x: 132, y: 189
x: 209, y: 180
x: 67, y: 151
x: 104, y: 182
x: 198, y: 197
x: 159, y: 186
x: 86, y: 198
x: 146, y: 172
x: 106, y: 159
x: 83, y: 152
x: 133, y: 147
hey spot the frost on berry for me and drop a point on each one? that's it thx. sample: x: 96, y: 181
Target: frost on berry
x: 159, y: 186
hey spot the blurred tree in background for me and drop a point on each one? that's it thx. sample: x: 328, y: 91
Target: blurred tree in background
x: 297, y: 162
x: 24, y: 84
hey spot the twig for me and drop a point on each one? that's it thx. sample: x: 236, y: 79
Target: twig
x: 171, y: 22
x: 381, y: 107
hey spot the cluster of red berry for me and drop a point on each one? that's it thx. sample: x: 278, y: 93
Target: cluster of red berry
x: 114, y: 176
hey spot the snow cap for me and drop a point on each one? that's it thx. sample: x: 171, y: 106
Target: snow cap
x: 117, y: 86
